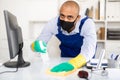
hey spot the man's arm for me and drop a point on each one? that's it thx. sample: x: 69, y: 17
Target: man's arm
x: 90, y: 39
x: 48, y: 30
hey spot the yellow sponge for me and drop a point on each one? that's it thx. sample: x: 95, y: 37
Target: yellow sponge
x: 60, y: 73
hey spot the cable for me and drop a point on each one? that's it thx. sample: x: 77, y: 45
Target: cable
x: 10, y: 71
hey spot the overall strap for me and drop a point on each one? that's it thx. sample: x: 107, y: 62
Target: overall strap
x: 82, y: 22
x: 58, y: 22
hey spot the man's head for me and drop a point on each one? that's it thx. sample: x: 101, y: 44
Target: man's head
x: 69, y: 14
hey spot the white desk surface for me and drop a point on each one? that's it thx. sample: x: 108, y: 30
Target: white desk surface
x: 37, y: 71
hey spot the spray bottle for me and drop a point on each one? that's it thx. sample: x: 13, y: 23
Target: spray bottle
x: 43, y: 52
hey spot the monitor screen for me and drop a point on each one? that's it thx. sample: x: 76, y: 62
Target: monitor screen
x: 15, y: 41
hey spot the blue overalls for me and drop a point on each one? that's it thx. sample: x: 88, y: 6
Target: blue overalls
x: 70, y: 44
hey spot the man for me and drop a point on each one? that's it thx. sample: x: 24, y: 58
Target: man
x: 77, y: 35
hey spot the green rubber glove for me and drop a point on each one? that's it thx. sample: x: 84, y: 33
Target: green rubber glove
x: 62, y: 67
x: 39, y: 46
x: 73, y: 63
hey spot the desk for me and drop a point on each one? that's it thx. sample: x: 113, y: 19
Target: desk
x: 36, y: 71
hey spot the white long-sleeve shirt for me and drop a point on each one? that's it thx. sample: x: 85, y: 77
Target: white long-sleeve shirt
x: 88, y: 31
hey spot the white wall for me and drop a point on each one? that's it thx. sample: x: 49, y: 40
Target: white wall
x: 26, y: 10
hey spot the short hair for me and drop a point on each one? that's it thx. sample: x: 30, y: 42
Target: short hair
x: 72, y: 4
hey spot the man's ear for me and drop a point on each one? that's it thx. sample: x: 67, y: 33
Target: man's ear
x: 79, y: 16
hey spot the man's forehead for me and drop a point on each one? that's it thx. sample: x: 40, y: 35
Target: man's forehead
x: 68, y: 11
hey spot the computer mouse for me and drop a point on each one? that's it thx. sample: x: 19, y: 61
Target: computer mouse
x: 83, y: 74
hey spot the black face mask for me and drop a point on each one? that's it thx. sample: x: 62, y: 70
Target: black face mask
x: 67, y: 25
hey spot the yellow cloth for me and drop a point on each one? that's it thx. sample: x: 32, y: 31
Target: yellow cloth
x: 78, y: 61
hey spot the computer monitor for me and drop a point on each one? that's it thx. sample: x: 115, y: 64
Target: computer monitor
x: 15, y: 41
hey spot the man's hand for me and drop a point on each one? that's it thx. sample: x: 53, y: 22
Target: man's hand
x: 39, y: 46
x: 74, y: 63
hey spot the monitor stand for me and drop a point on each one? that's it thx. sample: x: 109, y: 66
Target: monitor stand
x: 19, y: 63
